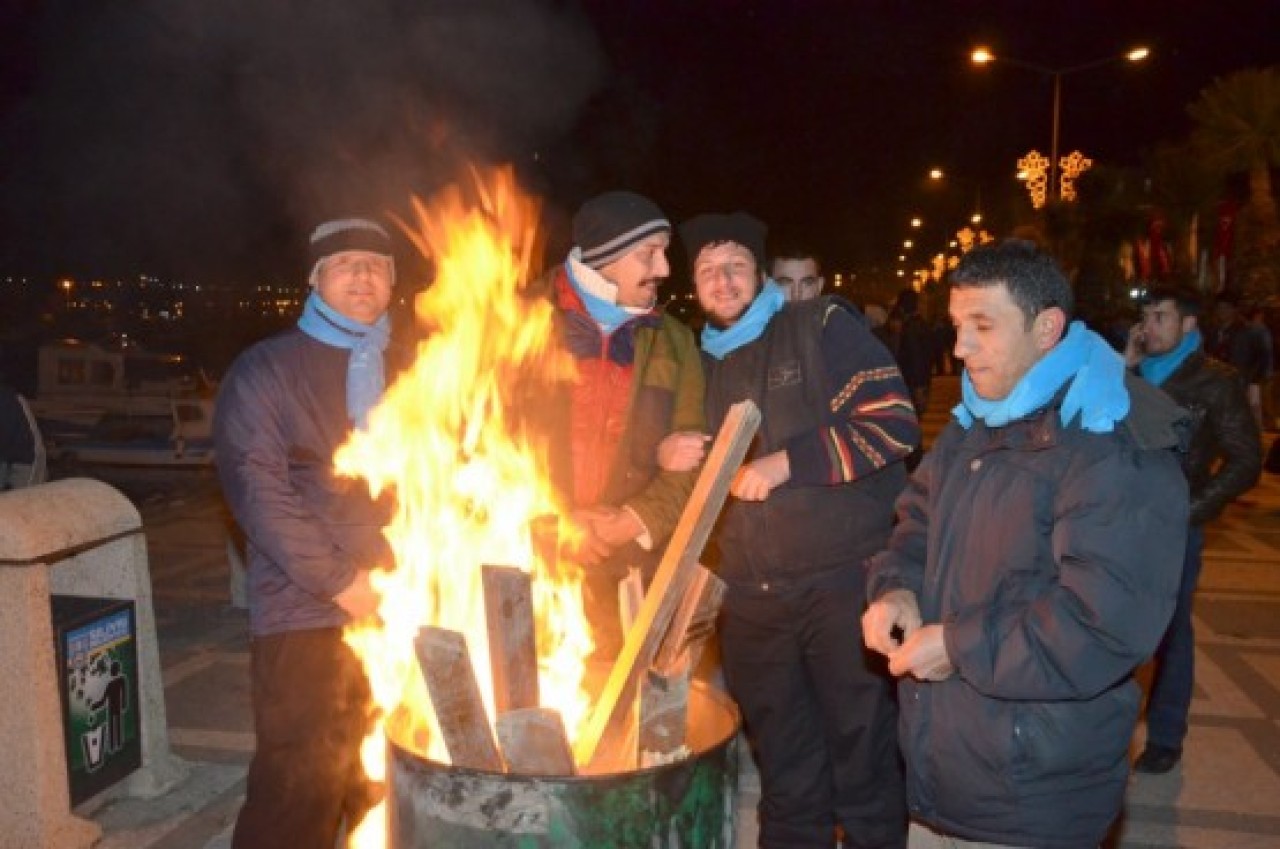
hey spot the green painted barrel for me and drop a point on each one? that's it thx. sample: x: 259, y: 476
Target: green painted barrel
x: 687, y: 803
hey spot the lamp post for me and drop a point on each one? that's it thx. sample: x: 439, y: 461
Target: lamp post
x: 982, y: 56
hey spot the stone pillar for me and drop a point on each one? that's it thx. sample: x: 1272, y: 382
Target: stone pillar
x: 74, y: 537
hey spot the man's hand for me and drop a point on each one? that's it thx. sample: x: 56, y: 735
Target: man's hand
x: 359, y: 599
x: 757, y: 479
x: 616, y: 527
x: 590, y: 548
x: 923, y: 656
x: 1134, y: 352
x: 895, y: 610
x: 682, y: 451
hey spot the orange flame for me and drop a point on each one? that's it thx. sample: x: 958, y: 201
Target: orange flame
x: 448, y: 441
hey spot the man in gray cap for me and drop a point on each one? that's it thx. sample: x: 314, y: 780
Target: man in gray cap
x: 639, y: 381
x: 283, y: 409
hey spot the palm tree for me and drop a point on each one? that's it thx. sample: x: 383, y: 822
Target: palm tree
x: 1238, y: 130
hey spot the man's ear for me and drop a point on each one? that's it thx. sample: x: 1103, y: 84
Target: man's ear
x: 1049, y: 327
x: 1189, y: 323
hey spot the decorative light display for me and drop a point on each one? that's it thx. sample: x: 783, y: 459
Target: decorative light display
x: 1072, y: 166
x: 1036, y: 166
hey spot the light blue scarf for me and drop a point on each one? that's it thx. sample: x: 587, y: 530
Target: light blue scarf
x: 605, y: 312
x: 1157, y: 369
x: 1098, y: 393
x: 747, y: 329
x: 365, y: 376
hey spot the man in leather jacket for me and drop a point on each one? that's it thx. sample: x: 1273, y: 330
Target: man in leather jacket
x: 1167, y: 349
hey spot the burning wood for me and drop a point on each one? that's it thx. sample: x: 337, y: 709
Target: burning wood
x: 600, y: 745
x: 630, y: 597
x: 534, y: 742
x: 455, y: 696
x: 513, y: 655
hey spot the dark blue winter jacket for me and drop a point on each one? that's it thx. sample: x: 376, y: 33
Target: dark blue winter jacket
x: 281, y: 416
x: 1052, y: 556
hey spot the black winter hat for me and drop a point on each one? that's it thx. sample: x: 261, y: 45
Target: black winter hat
x: 714, y: 228
x: 611, y: 224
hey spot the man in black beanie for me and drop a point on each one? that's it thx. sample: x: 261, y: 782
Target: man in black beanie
x: 613, y: 454
x: 813, y: 499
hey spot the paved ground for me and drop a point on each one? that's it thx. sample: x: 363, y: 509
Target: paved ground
x: 1225, y: 794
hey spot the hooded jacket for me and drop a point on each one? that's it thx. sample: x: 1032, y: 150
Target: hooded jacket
x: 1052, y: 556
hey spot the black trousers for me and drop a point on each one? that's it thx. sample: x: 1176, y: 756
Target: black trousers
x: 819, y: 713
x: 311, y: 709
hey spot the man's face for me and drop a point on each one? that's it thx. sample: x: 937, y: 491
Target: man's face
x: 993, y: 339
x: 798, y: 278
x: 357, y: 284
x: 640, y: 271
x: 726, y: 278
x: 1162, y: 328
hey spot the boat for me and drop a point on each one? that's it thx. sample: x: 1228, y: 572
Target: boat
x: 119, y: 404
x: 180, y: 438
x: 79, y: 382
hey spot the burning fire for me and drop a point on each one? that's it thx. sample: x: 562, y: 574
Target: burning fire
x: 448, y: 441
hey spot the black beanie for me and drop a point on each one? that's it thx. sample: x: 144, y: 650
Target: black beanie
x: 611, y: 224
x: 714, y: 228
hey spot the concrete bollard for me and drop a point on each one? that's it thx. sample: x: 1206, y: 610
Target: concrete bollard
x: 73, y: 537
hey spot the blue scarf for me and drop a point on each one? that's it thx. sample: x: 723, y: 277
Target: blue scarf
x: 365, y: 376
x: 1097, y: 393
x: 606, y: 313
x: 1157, y: 369
x: 747, y: 329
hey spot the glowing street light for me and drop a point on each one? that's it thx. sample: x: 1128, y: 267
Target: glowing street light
x: 916, y: 222
x: 984, y: 56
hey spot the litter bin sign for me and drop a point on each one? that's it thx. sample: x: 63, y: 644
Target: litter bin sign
x: 98, y: 672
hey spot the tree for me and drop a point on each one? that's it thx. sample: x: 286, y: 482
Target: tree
x: 1238, y: 130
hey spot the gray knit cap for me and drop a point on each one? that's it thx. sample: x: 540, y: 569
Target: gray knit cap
x: 611, y: 224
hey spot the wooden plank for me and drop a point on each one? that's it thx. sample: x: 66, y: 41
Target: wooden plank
x: 599, y: 744
x: 704, y: 621
x: 534, y: 742
x: 664, y: 714
x: 455, y: 697
x: 672, y: 645
x: 630, y: 597
x: 513, y: 653
x: 701, y: 624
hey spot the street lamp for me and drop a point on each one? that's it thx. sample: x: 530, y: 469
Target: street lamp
x: 983, y: 56
x: 939, y: 174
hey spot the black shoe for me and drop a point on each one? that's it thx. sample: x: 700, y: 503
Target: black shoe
x: 1157, y: 760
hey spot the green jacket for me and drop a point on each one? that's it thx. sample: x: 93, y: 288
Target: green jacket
x: 667, y: 389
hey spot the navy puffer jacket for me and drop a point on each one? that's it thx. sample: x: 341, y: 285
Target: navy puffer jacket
x: 280, y: 417
x: 1052, y: 555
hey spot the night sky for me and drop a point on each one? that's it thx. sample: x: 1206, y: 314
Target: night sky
x: 204, y: 139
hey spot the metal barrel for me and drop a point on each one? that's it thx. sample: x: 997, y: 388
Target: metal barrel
x: 686, y: 803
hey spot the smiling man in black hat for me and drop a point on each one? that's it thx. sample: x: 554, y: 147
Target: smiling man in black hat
x: 813, y: 499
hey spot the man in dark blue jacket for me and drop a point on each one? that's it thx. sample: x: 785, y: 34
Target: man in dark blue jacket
x: 812, y: 501
x: 1034, y: 566
x: 284, y: 408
